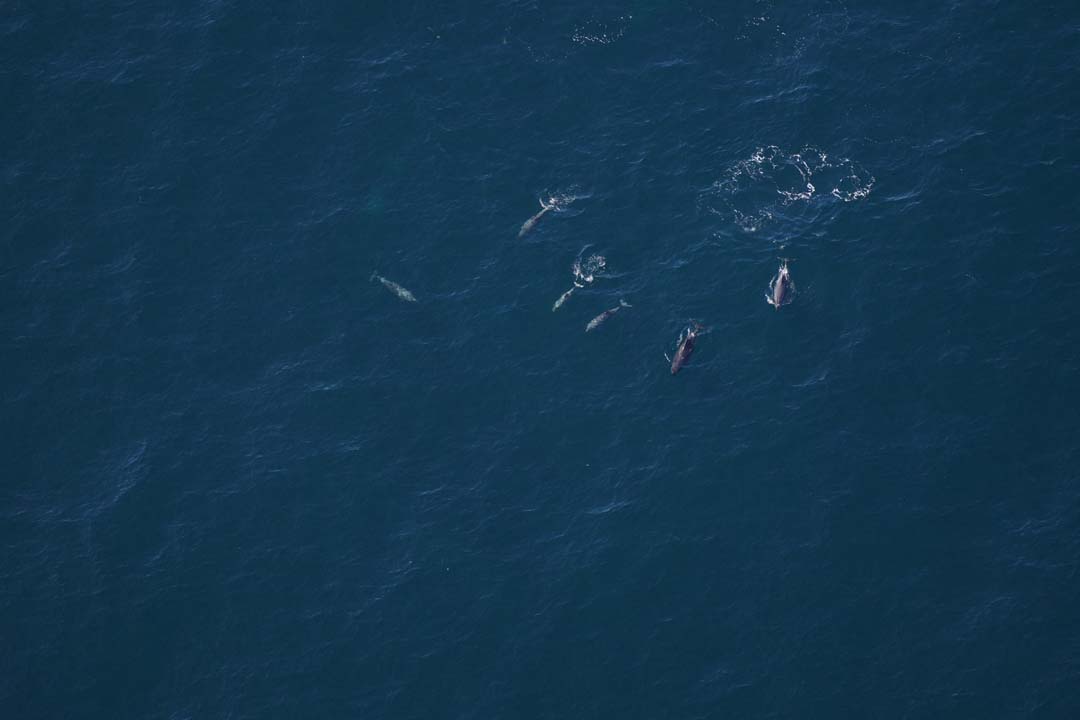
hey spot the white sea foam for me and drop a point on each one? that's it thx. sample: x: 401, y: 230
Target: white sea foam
x: 752, y: 190
x: 601, y: 33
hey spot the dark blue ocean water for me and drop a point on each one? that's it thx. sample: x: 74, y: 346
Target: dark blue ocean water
x: 242, y: 480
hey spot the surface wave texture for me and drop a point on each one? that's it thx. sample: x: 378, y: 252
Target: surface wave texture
x: 244, y: 478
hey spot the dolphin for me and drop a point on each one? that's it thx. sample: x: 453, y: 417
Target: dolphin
x: 595, y: 322
x: 781, y: 289
x: 585, y: 274
x: 394, y: 288
x: 531, y: 222
x: 566, y: 296
x: 685, y: 347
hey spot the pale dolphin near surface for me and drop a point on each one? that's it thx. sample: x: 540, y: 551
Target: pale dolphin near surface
x: 595, y: 322
x: 585, y: 274
x: 566, y: 296
x: 781, y: 289
x: 544, y: 208
x: 394, y: 288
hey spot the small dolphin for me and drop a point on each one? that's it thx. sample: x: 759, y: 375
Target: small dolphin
x: 595, y: 322
x: 566, y: 296
x: 531, y: 222
x: 685, y: 347
x: 394, y: 288
x: 585, y: 274
x: 781, y: 289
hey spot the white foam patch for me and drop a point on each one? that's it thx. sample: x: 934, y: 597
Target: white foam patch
x: 601, y: 33
x: 586, y: 271
x: 751, y: 191
x: 562, y: 200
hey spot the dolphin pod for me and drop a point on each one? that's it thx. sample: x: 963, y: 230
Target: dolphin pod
x: 781, y: 292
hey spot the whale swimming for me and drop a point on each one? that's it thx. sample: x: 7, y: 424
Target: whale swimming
x: 394, y: 288
x: 685, y: 347
x: 781, y: 289
x: 595, y: 322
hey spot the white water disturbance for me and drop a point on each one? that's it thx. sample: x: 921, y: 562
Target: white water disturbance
x: 771, y: 181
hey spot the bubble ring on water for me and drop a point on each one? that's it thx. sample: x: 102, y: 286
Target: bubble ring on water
x: 794, y: 177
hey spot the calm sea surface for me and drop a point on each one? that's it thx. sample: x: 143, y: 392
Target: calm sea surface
x: 242, y: 478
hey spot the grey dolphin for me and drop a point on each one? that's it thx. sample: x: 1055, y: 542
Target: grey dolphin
x: 566, y: 296
x: 595, y: 322
x: 685, y: 347
x: 781, y: 289
x: 531, y: 222
x: 394, y: 287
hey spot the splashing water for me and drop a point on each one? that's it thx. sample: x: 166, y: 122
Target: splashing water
x: 587, y: 272
x: 560, y: 201
x: 754, y: 189
x: 599, y: 33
